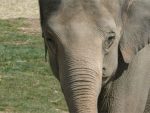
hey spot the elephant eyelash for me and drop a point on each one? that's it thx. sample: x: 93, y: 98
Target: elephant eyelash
x: 54, y: 36
x: 109, y: 40
x: 51, y: 39
x: 52, y: 45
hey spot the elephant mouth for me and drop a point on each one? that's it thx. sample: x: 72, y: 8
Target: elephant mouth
x: 105, y: 80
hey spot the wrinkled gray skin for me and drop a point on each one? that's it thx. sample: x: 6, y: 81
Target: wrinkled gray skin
x: 99, y: 50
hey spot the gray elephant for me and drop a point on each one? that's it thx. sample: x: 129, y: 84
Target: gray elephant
x: 99, y: 50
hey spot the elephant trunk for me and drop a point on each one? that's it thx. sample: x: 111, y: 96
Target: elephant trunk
x: 81, y: 85
x: 81, y: 89
x: 81, y: 77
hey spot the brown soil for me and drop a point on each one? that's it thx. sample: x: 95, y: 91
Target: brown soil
x: 19, y: 8
x: 32, y: 26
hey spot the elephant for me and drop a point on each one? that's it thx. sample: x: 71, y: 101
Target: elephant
x: 99, y: 50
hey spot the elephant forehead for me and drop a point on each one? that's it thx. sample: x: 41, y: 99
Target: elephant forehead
x: 78, y: 33
x: 82, y: 24
x: 81, y: 19
x: 72, y: 6
x: 70, y: 9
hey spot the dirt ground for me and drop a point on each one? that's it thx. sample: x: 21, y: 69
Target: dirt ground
x: 19, y: 8
x: 10, y: 9
x: 33, y: 26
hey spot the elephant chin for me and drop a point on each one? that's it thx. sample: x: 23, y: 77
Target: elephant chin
x: 81, y: 88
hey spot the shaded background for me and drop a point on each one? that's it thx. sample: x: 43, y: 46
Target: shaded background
x: 27, y: 84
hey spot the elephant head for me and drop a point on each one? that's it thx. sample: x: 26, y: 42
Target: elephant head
x: 83, y: 37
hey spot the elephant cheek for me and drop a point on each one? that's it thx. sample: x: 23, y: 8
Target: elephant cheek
x: 54, y: 64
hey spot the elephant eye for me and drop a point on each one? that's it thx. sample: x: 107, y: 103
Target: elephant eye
x: 51, y: 45
x: 109, y: 40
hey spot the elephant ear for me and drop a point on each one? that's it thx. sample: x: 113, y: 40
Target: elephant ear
x: 136, y: 29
